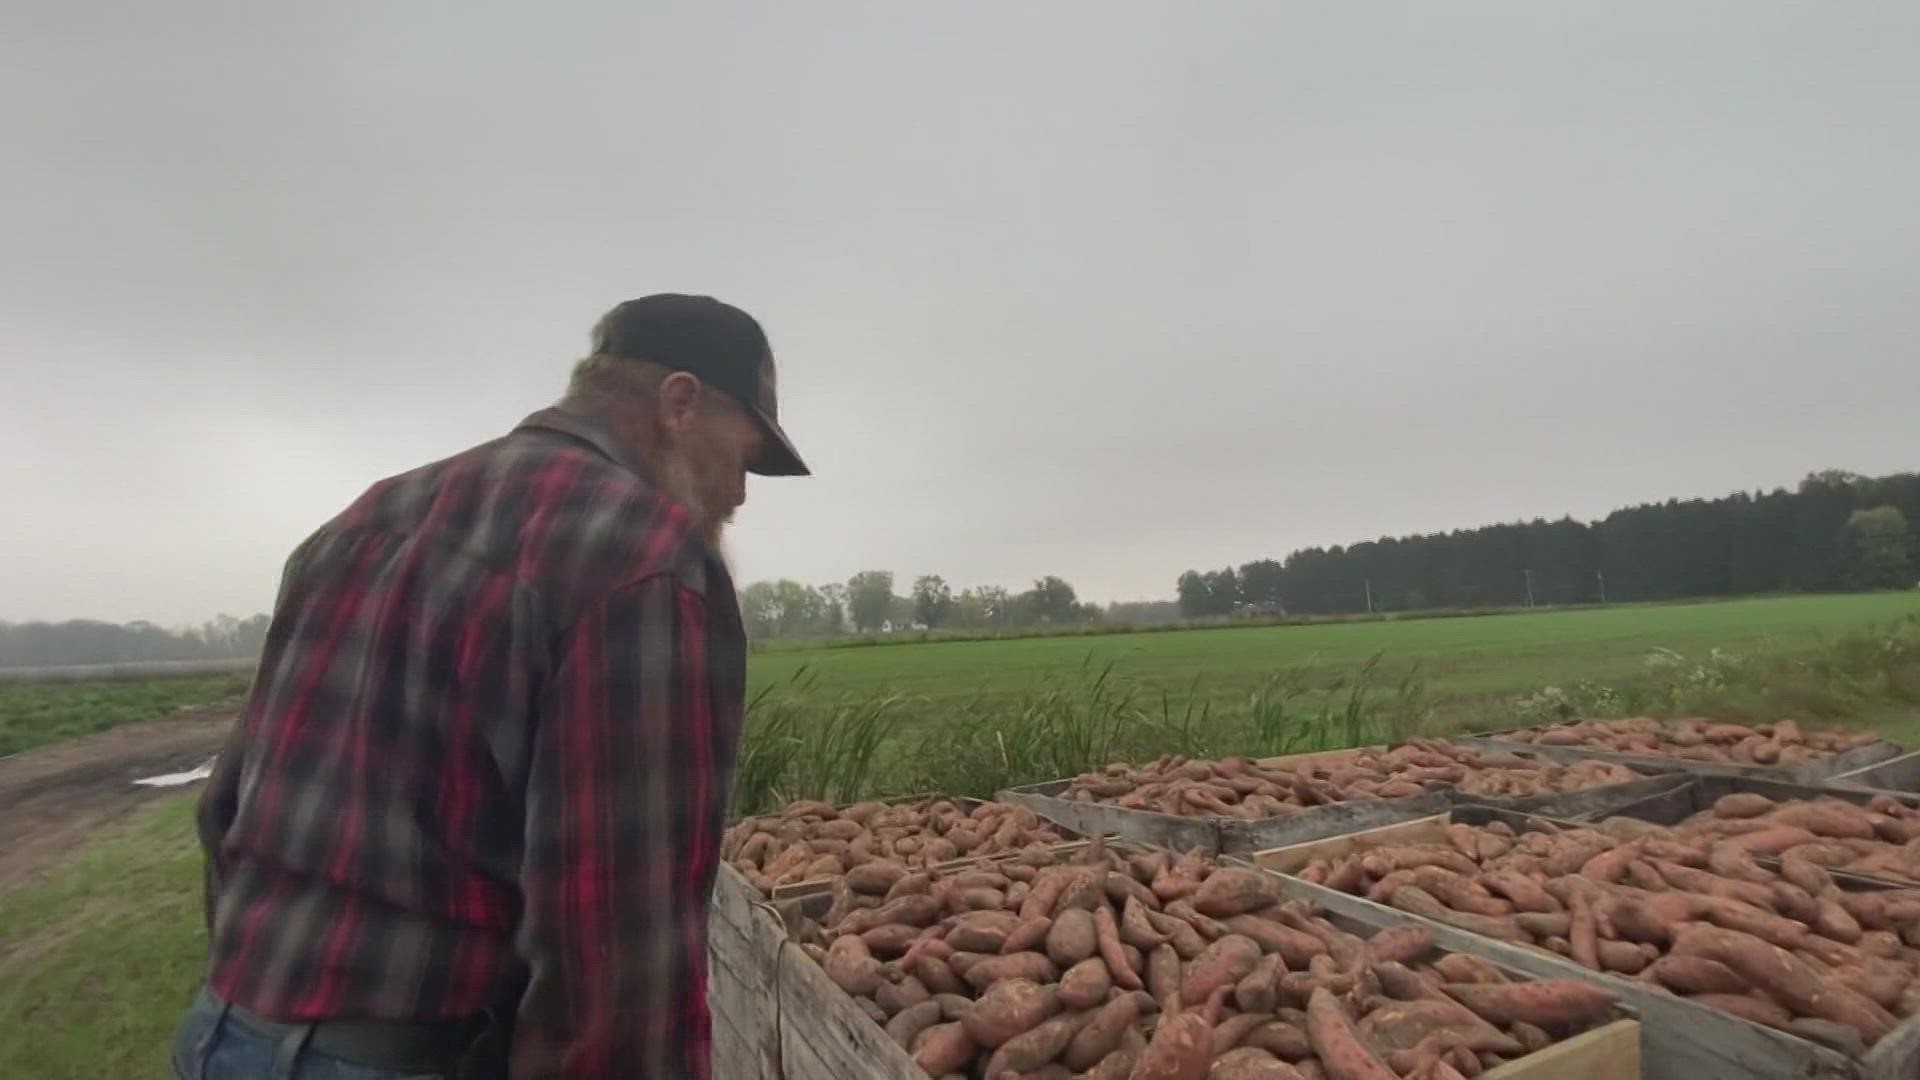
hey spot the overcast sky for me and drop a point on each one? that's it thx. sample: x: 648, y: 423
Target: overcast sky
x: 1106, y: 289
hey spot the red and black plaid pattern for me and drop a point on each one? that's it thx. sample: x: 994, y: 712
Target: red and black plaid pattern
x: 489, y: 747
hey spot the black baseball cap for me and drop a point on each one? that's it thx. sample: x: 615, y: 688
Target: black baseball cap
x: 717, y: 343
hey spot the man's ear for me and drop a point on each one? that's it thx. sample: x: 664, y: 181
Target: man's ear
x: 679, y: 400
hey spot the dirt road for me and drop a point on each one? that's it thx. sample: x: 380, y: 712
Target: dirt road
x: 54, y: 798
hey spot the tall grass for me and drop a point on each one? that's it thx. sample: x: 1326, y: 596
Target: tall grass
x: 1295, y: 713
x: 797, y: 746
x: 1866, y: 674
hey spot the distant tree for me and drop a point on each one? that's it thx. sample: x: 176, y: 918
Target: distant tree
x: 996, y: 605
x: 870, y: 599
x: 1143, y: 612
x: 833, y: 610
x: 1194, y: 597
x: 1051, y: 600
x: 1262, y: 582
x: 1874, y: 549
x: 932, y: 601
x: 759, y: 610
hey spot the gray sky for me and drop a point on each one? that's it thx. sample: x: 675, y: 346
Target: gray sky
x: 1107, y: 290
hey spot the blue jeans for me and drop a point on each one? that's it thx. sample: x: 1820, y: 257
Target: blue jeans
x: 212, y: 1045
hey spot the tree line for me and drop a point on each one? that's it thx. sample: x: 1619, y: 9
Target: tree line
x: 1837, y: 531
x: 867, y: 603
x: 85, y: 641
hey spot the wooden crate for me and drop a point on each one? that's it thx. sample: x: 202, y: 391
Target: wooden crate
x: 1807, y: 772
x: 1683, y: 1040
x: 1898, y: 775
x: 824, y: 1035
x: 1216, y: 835
x: 744, y: 939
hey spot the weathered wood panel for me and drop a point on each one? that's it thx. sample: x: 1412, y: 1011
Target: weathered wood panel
x: 744, y: 939
x: 1900, y: 775
x: 1334, y: 819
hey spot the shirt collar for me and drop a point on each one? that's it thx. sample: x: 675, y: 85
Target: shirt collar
x: 591, y: 431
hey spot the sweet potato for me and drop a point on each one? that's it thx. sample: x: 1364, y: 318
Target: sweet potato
x: 1070, y: 938
x: 1283, y: 1040
x: 1829, y: 818
x: 938, y: 976
x: 876, y: 878
x: 1402, y: 1025
x: 852, y: 967
x: 1750, y: 1007
x: 1543, y: 1003
x: 1186, y: 941
x: 1583, y: 934
x: 1224, y: 964
x: 1259, y: 991
x: 1033, y: 1049
x: 1229, y: 1032
x: 1251, y: 1063
x: 1696, y: 975
x: 1834, y: 921
x: 1625, y: 957
x: 901, y: 994
x: 1231, y: 890
x: 1027, y: 965
x: 1459, y: 892
x: 1400, y: 944
x: 1085, y: 984
x: 1544, y: 924
x: 982, y: 931
x: 1814, y: 879
x: 1787, y: 977
x: 891, y: 940
x: 1466, y: 968
x: 1297, y: 947
x: 1418, y: 901
x: 943, y: 1049
x: 1106, y: 932
x: 911, y: 1021
x: 1770, y: 841
x: 1742, y: 804
x: 1136, y: 929
x: 1163, y: 975
x: 1179, y: 1050
x: 1102, y: 1032
x: 1028, y: 936
x: 1009, y: 1008
x: 1343, y: 1055
x: 1521, y: 891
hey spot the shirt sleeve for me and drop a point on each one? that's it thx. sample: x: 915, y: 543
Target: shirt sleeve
x: 622, y: 822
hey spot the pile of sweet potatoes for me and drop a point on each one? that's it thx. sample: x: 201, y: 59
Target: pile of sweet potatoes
x: 807, y: 841
x: 1240, y: 788
x: 1119, y: 965
x: 1782, y: 743
x: 1880, y: 839
x: 1697, y: 915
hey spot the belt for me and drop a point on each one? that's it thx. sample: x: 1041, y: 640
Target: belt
x: 435, y: 1046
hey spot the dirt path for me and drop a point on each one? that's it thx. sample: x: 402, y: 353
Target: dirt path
x: 54, y: 798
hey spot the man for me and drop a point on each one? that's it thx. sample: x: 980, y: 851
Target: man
x: 469, y: 821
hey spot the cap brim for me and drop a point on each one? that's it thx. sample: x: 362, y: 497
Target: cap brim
x: 779, y: 458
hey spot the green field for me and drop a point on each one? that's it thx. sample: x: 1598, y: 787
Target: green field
x: 1456, y: 657
x: 33, y: 714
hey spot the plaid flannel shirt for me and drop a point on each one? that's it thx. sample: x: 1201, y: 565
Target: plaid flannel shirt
x: 489, y: 751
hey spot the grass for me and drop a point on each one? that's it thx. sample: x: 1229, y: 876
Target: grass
x: 34, y: 714
x: 98, y: 961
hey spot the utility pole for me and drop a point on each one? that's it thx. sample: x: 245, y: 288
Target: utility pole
x: 1368, y: 582
x: 1529, y: 576
x: 1602, y: 579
